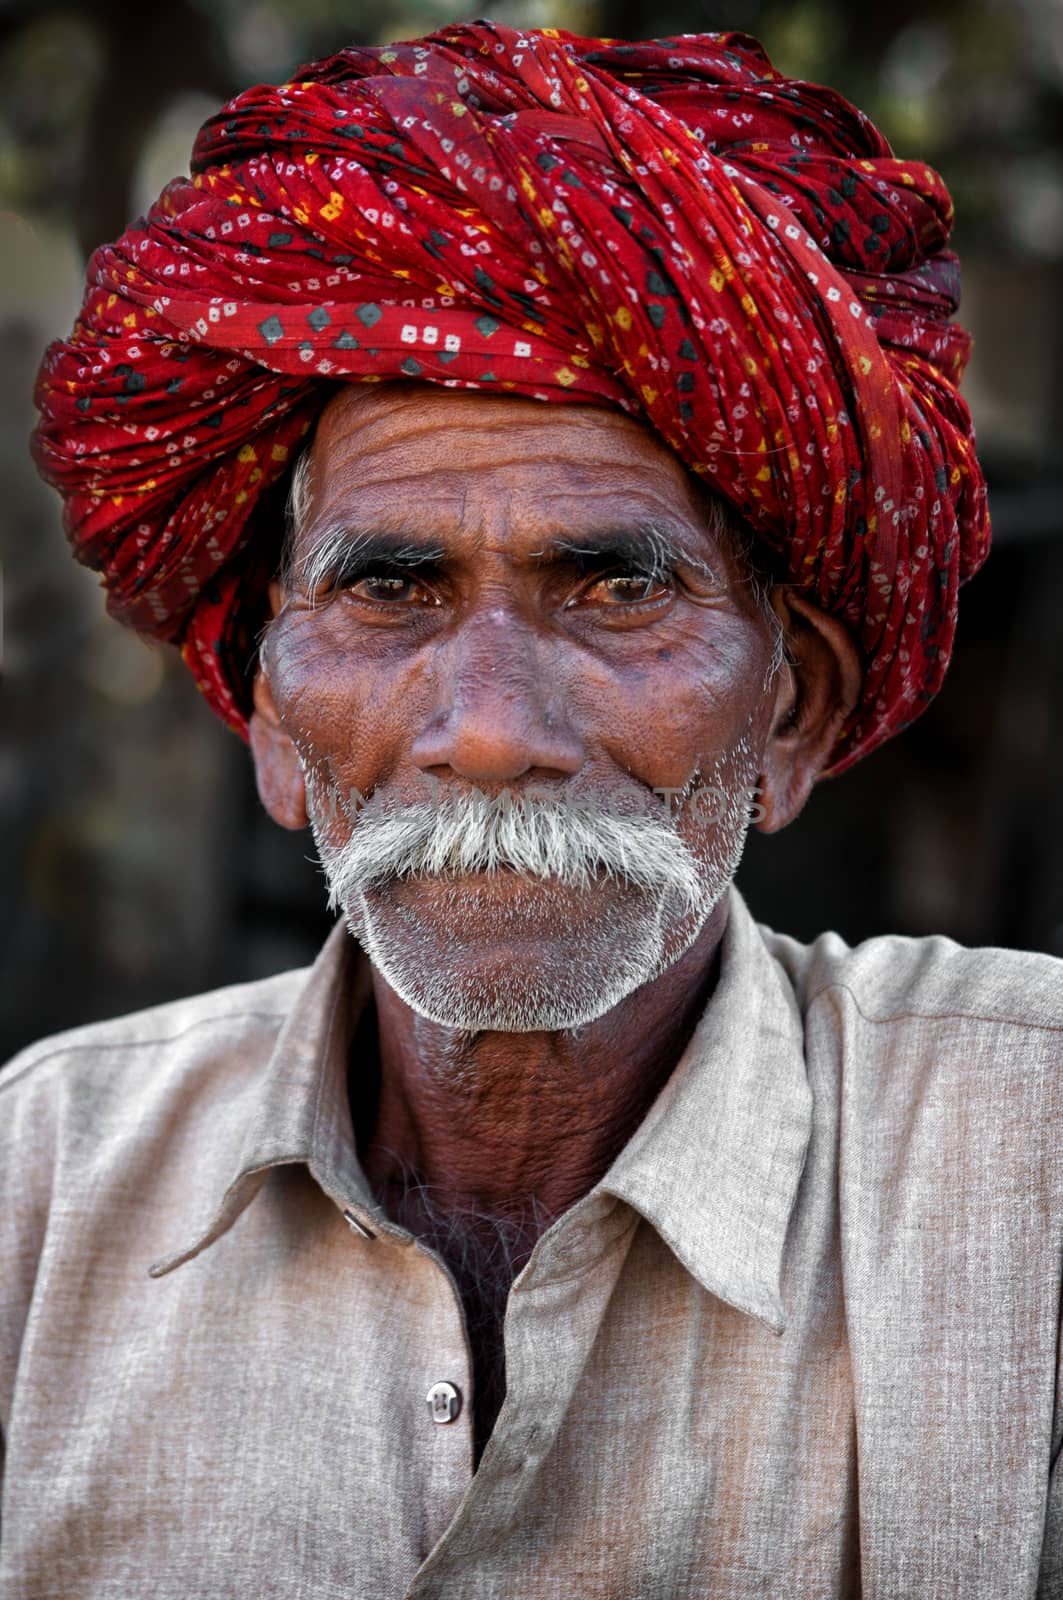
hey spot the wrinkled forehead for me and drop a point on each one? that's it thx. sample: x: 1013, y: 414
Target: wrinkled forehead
x: 406, y: 447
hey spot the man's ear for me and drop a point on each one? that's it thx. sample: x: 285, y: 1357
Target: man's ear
x: 278, y: 772
x: 816, y: 689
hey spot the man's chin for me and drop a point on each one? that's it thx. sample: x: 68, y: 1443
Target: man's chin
x: 483, y: 1006
x: 515, y: 957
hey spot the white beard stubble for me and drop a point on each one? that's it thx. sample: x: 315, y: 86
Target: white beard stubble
x: 643, y: 895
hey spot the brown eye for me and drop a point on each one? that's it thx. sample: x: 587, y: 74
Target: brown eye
x: 385, y: 587
x: 629, y: 587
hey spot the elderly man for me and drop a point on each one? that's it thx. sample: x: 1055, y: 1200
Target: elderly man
x: 562, y: 1233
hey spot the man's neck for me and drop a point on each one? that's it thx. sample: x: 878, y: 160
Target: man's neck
x: 488, y: 1122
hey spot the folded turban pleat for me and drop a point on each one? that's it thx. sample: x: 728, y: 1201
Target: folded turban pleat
x: 671, y: 228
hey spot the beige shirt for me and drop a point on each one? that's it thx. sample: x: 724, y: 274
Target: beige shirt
x: 801, y: 1341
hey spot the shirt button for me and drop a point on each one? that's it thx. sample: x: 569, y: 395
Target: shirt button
x: 444, y: 1402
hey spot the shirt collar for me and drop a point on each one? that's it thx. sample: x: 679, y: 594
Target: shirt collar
x: 716, y: 1163
x: 299, y: 1111
x: 714, y: 1166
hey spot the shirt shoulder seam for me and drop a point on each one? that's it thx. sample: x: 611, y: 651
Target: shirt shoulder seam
x: 933, y: 1016
x: 82, y: 1046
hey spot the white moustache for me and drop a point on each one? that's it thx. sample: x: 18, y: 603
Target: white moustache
x: 541, y: 838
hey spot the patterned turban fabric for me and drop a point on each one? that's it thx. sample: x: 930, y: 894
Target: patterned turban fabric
x: 673, y: 228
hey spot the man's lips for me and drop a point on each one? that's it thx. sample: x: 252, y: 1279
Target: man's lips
x: 502, y: 877
x: 494, y: 909
x: 502, y: 883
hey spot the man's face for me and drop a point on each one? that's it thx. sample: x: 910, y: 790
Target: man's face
x: 496, y: 605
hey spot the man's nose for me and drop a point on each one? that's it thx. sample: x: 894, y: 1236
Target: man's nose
x: 497, y: 715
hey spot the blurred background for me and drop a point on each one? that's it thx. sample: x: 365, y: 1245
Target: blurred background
x: 137, y: 862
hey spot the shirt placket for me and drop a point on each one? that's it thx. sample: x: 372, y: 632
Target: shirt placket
x: 552, y: 1319
x: 435, y: 1374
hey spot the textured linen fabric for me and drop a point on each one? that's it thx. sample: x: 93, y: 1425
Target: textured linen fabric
x: 671, y: 227
x: 801, y: 1340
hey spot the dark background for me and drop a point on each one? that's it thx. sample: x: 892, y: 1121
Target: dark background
x: 137, y: 862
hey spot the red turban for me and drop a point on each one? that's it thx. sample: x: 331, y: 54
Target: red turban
x: 673, y: 228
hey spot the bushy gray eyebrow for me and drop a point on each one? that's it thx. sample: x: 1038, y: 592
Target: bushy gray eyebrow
x: 645, y: 547
x: 343, y: 554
